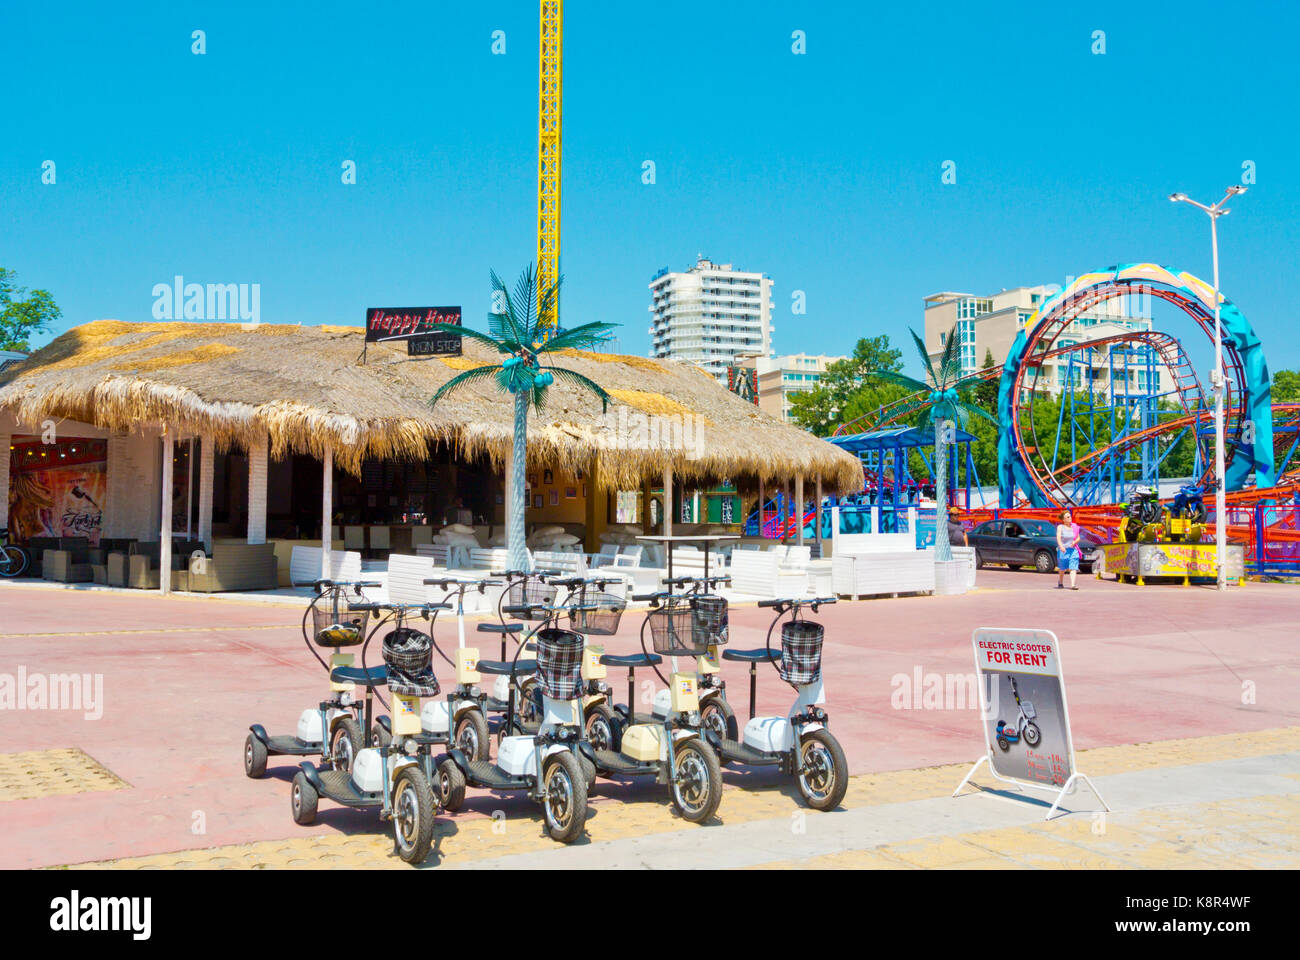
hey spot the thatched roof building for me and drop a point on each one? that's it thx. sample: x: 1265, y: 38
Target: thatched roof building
x: 306, y: 389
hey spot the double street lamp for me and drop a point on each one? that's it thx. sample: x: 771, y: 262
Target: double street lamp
x: 1216, y: 381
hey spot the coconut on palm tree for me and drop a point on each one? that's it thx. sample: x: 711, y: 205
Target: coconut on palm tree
x: 941, y: 405
x: 524, y: 331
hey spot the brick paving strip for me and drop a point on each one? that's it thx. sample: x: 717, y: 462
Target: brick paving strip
x: 1231, y: 800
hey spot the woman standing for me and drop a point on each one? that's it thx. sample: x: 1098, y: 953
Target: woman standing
x: 1067, y: 550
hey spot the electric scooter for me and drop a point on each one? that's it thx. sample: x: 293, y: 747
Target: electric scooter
x: 709, y: 622
x: 1024, y: 726
x: 460, y: 717
x: 336, y: 728
x: 671, y: 748
x: 799, y: 743
x: 547, y: 765
x: 396, y: 776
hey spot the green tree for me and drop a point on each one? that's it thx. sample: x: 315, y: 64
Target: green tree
x: 1286, y: 386
x: 520, y: 332
x: 941, y: 407
x: 841, y: 388
x: 986, y: 391
x: 23, y: 316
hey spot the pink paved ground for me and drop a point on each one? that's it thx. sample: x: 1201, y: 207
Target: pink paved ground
x: 189, y: 675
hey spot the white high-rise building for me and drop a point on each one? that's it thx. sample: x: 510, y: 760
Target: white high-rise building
x: 710, y: 315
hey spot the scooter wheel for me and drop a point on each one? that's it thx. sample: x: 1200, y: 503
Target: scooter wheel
x: 602, y: 732
x: 718, y: 721
x: 303, y: 799
x: 472, y: 735
x: 346, y: 742
x: 1004, y: 743
x: 1033, y: 736
x: 413, y: 812
x: 254, y: 757
x: 823, y: 775
x: 564, y: 797
x: 450, y: 786
x: 697, y: 781
x: 380, y: 737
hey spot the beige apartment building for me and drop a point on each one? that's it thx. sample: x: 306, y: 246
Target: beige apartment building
x: 780, y: 378
x: 989, y: 324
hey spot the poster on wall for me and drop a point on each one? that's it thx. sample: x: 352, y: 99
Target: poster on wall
x: 57, y: 489
x: 1025, y: 718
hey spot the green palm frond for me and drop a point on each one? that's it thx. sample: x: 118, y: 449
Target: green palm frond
x: 508, y: 322
x: 950, y: 366
x: 901, y: 379
x: 461, y: 379
x: 925, y: 354
x: 980, y: 412
x: 548, y: 302
x: 580, y: 338
x: 581, y: 381
x: 501, y: 346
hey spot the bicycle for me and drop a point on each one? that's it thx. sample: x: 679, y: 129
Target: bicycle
x: 13, y: 558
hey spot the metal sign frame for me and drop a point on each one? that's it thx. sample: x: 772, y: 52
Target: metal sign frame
x: 1076, y: 775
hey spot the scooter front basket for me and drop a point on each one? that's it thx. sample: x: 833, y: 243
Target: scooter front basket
x: 559, y: 663
x: 530, y: 591
x: 338, y: 628
x: 801, y: 652
x: 709, y: 620
x: 672, y: 630
x: 408, y: 654
x: 598, y: 616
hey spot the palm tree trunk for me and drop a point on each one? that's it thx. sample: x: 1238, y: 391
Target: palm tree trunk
x: 518, y: 552
x: 942, y: 548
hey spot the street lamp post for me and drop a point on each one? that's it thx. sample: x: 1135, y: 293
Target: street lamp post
x: 1217, y: 382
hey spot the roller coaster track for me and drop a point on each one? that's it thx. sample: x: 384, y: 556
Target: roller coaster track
x: 1171, y: 353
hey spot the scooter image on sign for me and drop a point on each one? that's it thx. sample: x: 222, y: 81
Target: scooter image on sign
x: 1024, y: 726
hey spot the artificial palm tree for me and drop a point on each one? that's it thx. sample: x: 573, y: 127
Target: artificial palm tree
x: 940, y: 405
x: 522, y: 331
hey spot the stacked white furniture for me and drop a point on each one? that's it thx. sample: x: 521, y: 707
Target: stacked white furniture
x: 760, y: 574
x: 304, y: 565
x: 875, y: 564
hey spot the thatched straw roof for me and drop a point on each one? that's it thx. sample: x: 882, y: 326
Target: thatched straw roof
x: 305, y: 387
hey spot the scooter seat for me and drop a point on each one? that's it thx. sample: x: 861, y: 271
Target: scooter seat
x: 759, y: 655
x: 500, y: 628
x: 366, y: 676
x: 630, y: 659
x: 501, y: 668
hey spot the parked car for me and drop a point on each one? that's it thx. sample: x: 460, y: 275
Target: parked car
x: 1024, y: 543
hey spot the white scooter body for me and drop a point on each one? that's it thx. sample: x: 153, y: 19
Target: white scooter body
x: 368, y: 769
x: 776, y: 734
x: 435, y: 718
x: 517, y: 756
x: 309, y: 723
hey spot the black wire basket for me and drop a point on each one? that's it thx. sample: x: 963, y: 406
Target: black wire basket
x: 673, y: 631
x: 559, y: 663
x: 709, y: 620
x: 801, y: 652
x: 597, y: 614
x: 530, y: 591
x: 338, y: 628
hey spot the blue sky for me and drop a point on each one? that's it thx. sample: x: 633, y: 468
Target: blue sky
x: 822, y: 170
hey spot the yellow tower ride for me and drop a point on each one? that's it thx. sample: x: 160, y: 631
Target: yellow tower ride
x: 550, y: 90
